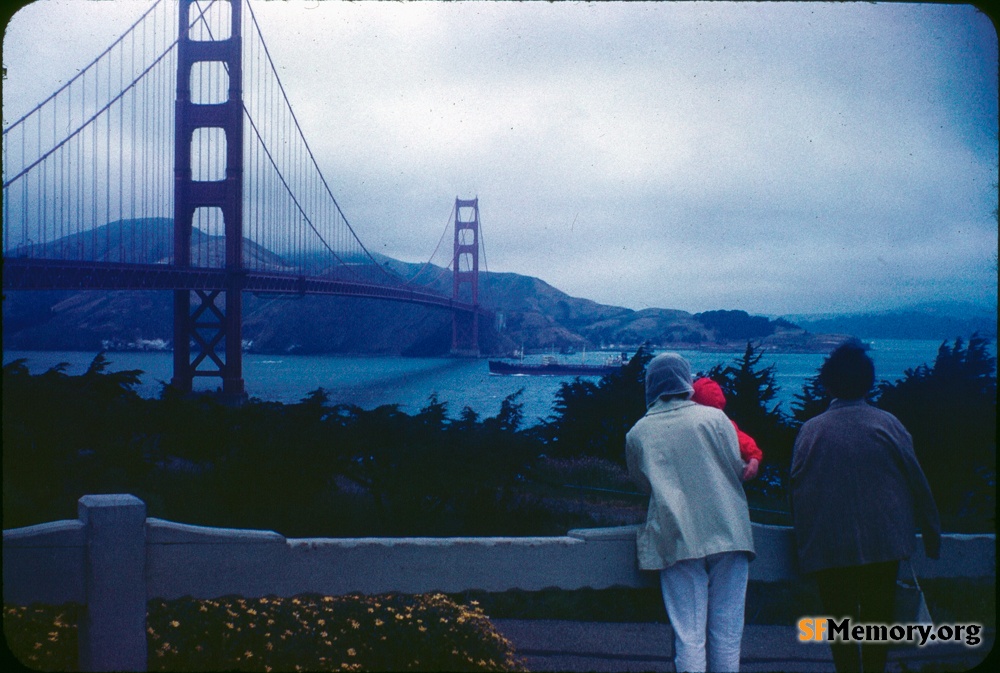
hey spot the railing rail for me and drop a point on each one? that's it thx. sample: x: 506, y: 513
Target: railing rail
x: 113, y: 558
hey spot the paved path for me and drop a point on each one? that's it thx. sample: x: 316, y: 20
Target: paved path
x: 550, y: 645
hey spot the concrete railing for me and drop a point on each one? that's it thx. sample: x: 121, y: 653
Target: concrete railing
x: 113, y: 558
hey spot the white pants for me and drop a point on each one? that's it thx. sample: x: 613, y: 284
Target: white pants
x: 705, y: 600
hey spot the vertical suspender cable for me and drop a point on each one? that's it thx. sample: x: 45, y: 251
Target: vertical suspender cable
x: 107, y: 161
x: 58, y: 187
x: 148, y: 241
x: 93, y: 172
x: 134, y: 171
x: 43, y: 214
x: 119, y: 136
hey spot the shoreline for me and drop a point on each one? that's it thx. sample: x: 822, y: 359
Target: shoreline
x: 821, y: 345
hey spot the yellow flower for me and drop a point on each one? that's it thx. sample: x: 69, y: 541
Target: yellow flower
x: 351, y: 652
x: 379, y: 622
x: 175, y: 623
x: 248, y: 654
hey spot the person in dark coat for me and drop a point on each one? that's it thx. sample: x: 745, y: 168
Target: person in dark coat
x: 858, y: 496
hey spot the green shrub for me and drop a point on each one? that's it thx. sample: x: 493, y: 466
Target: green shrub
x: 308, y: 632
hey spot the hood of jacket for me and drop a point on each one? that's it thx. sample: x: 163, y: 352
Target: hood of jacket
x: 667, y: 374
x: 709, y: 393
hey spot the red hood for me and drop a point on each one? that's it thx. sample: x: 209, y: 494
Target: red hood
x: 708, y: 392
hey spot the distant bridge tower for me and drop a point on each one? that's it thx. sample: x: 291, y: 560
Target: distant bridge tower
x: 209, y: 49
x: 465, y: 263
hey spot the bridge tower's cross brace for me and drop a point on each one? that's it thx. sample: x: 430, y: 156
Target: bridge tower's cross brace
x: 214, y: 321
x: 465, y: 265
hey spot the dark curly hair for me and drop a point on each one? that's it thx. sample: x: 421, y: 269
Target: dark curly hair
x: 848, y: 373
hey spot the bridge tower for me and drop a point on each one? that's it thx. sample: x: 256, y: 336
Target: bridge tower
x: 465, y: 265
x: 212, y: 43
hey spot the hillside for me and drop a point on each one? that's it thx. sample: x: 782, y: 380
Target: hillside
x: 530, y: 314
x: 931, y: 320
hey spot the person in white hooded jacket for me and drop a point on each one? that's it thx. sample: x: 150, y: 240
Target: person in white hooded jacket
x: 697, y: 532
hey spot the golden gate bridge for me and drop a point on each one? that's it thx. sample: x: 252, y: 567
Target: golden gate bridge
x: 174, y: 161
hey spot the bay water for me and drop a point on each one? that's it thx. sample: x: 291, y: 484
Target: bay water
x: 369, y: 382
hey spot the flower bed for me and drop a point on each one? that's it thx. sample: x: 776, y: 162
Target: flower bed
x: 307, y: 632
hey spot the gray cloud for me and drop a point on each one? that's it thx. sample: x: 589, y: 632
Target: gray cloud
x: 785, y: 157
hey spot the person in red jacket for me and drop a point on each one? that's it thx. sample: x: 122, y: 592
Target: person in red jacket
x: 709, y: 393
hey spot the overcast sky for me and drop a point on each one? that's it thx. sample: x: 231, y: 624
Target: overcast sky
x: 774, y: 157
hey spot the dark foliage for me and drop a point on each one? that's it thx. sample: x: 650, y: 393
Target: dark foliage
x: 63, y: 436
x: 312, y: 469
x: 812, y: 401
x: 591, y: 419
x: 950, y: 410
x: 735, y: 325
x: 305, y: 469
x: 750, y: 392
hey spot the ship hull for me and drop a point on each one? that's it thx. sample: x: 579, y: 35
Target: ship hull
x: 550, y: 369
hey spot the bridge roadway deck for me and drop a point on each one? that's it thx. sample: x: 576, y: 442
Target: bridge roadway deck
x: 39, y: 274
x: 553, y: 645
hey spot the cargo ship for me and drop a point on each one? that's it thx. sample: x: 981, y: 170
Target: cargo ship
x: 550, y: 366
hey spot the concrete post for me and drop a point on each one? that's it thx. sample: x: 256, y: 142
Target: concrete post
x: 113, y: 628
